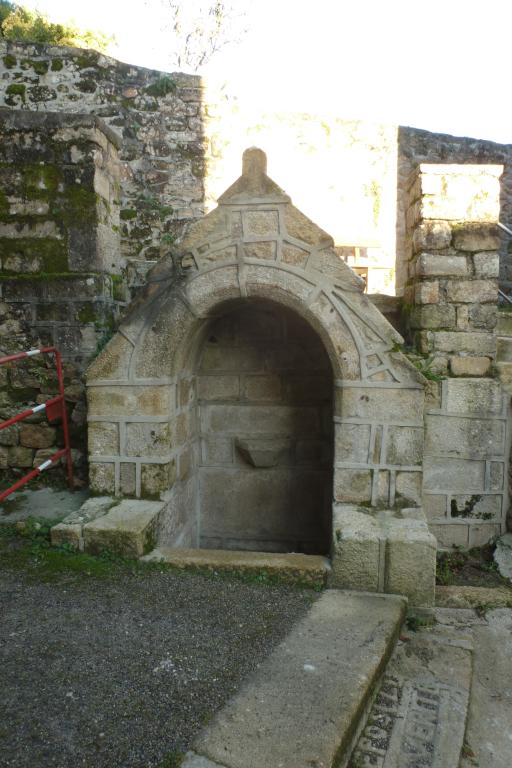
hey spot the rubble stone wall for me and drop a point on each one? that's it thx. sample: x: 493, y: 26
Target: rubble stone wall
x: 61, y: 281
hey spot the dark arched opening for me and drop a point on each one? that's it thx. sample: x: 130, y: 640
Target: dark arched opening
x: 265, y: 428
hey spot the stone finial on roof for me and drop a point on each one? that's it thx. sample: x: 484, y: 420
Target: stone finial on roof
x: 254, y: 185
x: 254, y: 162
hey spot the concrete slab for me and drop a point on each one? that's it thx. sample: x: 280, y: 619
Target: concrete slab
x: 47, y: 503
x: 305, y: 704
x: 419, y: 714
x: 312, y: 569
x: 129, y: 528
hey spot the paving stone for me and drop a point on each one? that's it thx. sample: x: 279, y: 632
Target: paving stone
x: 70, y: 530
x: 419, y: 714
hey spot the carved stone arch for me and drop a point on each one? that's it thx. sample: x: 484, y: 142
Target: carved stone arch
x: 255, y: 250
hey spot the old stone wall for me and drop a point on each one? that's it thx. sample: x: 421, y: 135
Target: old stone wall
x: 452, y: 250
x: 181, y: 147
x: 61, y: 281
x: 452, y: 301
x: 416, y: 146
x: 182, y: 140
x: 158, y: 116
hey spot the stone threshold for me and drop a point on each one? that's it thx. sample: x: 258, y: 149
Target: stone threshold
x: 308, y: 702
x: 312, y: 570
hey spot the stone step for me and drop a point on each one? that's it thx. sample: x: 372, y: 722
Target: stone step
x: 419, y: 715
x: 127, y: 527
x: 307, y: 702
x: 310, y: 569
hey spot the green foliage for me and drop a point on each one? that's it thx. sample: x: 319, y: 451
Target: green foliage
x: 449, y: 564
x: 20, y: 24
x: 424, y: 365
x: 161, y: 87
x: 415, y: 622
x: 5, y: 10
x: 173, y: 760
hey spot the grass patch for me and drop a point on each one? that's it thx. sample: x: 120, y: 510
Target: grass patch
x: 415, y: 622
x: 27, y: 547
x: 173, y: 760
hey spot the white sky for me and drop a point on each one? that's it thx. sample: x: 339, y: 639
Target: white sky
x: 443, y: 65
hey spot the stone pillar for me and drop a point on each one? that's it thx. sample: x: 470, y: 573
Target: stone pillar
x: 452, y: 298
x: 452, y: 242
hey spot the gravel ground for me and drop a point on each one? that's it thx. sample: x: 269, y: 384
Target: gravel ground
x: 124, y: 670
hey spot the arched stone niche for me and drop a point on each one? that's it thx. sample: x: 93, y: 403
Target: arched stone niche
x: 253, y: 353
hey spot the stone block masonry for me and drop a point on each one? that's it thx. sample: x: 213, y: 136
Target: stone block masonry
x: 467, y: 445
x: 453, y: 262
x: 182, y: 141
x: 417, y: 147
x: 451, y: 295
x: 254, y: 391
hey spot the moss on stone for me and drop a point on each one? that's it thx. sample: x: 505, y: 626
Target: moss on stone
x: 14, y: 90
x: 49, y: 252
x: 57, y: 65
x: 87, y: 314
x: 10, y: 61
x: 76, y: 207
x: 40, y: 180
x: 40, y: 67
x: 87, y: 85
x: 45, y: 277
x: 86, y: 59
x: 127, y: 213
x: 4, y: 205
x: 118, y: 288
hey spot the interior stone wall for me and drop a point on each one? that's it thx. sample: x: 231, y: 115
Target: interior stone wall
x: 265, y: 393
